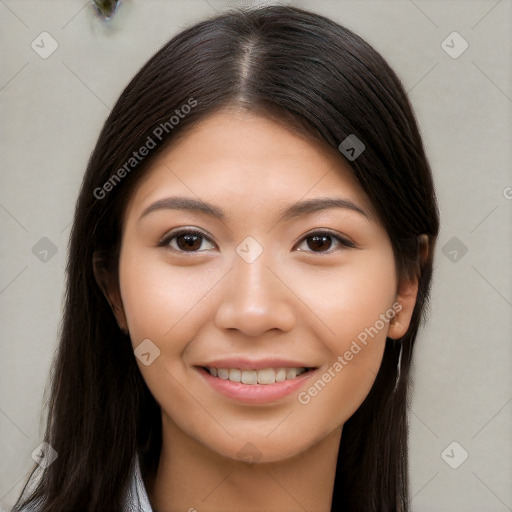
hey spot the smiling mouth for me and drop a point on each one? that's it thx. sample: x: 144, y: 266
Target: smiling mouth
x: 260, y: 376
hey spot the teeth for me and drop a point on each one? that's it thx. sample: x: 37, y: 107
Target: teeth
x: 280, y: 374
x: 291, y: 373
x: 235, y: 375
x: 222, y: 373
x: 250, y: 377
x: 264, y: 376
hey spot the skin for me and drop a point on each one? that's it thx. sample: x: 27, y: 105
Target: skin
x: 296, y: 300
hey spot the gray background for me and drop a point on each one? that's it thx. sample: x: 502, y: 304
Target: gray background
x: 52, y: 111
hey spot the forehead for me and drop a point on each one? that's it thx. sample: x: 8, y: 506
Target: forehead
x: 232, y: 155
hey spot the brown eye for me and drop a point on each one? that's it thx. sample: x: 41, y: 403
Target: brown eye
x: 323, y: 242
x: 187, y: 241
x: 319, y: 243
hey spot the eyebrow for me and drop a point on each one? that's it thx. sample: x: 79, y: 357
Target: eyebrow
x: 296, y: 210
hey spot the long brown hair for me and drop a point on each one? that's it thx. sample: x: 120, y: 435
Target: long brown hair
x: 322, y: 80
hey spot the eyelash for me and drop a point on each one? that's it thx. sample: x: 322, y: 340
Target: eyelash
x: 165, y: 241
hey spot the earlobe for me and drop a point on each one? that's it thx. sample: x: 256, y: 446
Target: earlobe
x: 405, y: 300
x: 407, y: 293
x: 110, y: 288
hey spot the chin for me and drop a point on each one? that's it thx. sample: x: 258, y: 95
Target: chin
x: 262, y: 450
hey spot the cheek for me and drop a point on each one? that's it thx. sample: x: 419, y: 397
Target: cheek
x: 165, y: 304
x: 161, y: 300
x: 348, y: 300
x: 350, y: 304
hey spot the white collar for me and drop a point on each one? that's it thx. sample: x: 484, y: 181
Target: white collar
x: 136, y: 498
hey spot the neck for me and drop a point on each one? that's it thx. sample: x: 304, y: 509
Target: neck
x: 193, y: 478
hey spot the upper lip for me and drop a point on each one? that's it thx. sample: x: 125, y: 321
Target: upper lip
x: 254, y: 364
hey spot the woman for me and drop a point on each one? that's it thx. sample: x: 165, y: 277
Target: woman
x: 249, y: 264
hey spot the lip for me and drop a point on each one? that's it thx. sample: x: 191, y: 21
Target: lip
x: 255, y: 393
x: 259, y: 364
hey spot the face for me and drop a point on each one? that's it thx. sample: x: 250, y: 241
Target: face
x: 259, y: 286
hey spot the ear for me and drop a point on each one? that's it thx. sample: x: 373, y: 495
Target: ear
x: 107, y: 281
x: 407, y: 293
x: 405, y: 301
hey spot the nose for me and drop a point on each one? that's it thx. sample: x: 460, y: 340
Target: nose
x: 254, y: 300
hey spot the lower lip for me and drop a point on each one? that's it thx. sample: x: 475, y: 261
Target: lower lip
x: 255, y: 393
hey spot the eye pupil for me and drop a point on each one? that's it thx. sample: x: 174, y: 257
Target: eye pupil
x: 189, y: 242
x: 319, y: 242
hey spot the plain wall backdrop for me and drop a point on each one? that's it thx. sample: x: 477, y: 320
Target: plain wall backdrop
x: 63, y: 68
